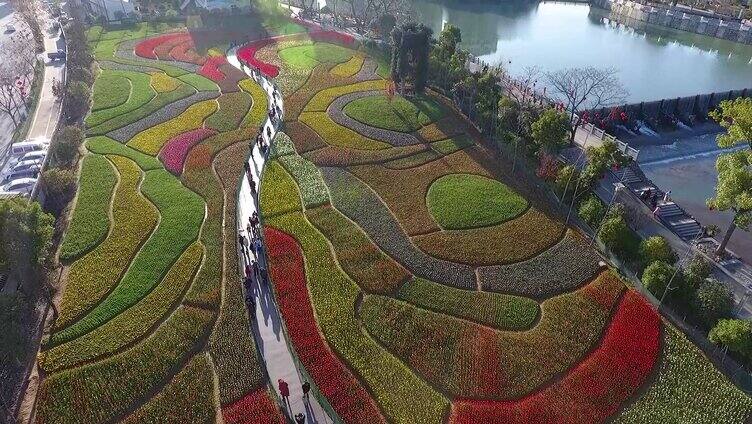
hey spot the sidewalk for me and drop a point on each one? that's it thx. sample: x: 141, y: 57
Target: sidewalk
x: 268, y: 329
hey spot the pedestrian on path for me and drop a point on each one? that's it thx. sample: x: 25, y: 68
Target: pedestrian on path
x: 300, y: 419
x: 284, y: 391
x: 255, y: 269
x: 667, y: 196
x: 252, y: 183
x: 306, y: 389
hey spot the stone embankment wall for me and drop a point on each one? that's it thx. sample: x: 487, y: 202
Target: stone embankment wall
x: 632, y: 13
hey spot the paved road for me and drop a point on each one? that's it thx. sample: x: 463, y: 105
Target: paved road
x: 268, y: 330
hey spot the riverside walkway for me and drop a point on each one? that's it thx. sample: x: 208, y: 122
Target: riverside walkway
x: 268, y: 328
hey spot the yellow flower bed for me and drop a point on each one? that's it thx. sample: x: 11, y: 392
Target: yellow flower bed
x: 349, y: 68
x: 163, y: 83
x: 151, y: 141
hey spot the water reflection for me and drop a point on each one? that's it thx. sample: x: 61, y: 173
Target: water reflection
x: 654, y: 62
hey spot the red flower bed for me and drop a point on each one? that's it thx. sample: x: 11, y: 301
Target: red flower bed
x: 174, y: 152
x: 184, y: 52
x: 146, y: 48
x: 593, y: 390
x: 211, y: 68
x: 344, y: 392
x: 255, y: 407
x: 333, y: 37
x: 163, y: 50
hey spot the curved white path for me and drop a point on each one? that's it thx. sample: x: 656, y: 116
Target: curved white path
x: 268, y: 330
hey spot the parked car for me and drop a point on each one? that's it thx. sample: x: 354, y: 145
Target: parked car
x: 23, y: 147
x: 56, y: 55
x: 33, y: 155
x: 20, y: 186
x: 28, y: 173
x: 27, y: 164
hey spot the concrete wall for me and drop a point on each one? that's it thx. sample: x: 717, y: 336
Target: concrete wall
x: 632, y: 13
x: 680, y: 107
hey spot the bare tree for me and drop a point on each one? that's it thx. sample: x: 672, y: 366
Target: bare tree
x: 586, y: 88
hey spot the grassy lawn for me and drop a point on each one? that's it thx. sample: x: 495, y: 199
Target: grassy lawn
x: 399, y: 114
x: 461, y: 201
x: 307, y: 57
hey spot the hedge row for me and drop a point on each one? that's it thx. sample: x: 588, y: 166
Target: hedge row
x: 574, y: 261
x: 593, y: 390
x: 366, y: 264
x: 343, y: 391
x: 233, y: 107
x: 308, y: 178
x: 237, y: 362
x: 94, y: 275
x: 122, y: 119
x: 162, y: 83
x: 151, y: 140
x: 499, y: 311
x: 184, y: 400
x: 111, y: 89
x: 89, y: 393
x: 106, y: 146
x: 337, y: 135
x: 687, y: 389
x: 349, y: 68
x: 182, y: 213
x: 134, y: 323
x: 393, y: 385
x: 468, y: 360
x: 90, y: 221
x: 140, y: 92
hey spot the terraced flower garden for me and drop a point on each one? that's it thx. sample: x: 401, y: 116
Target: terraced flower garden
x: 419, y: 280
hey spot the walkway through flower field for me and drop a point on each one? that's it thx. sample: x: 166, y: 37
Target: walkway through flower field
x: 268, y: 330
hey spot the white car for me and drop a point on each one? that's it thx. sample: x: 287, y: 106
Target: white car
x: 33, y: 155
x: 20, y: 186
x: 28, y: 173
x: 27, y: 164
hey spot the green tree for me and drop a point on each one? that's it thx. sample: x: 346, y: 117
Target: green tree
x: 613, y: 232
x: 411, y: 43
x: 591, y: 211
x: 26, y: 233
x: 77, y: 100
x: 735, y: 334
x: 566, y: 181
x: 656, y: 248
x: 65, y: 147
x: 59, y: 188
x: 734, y: 192
x: 656, y: 278
x: 697, y: 270
x: 712, y: 301
x: 12, y: 340
x: 736, y: 117
x: 447, y: 60
x: 550, y: 131
x: 600, y: 159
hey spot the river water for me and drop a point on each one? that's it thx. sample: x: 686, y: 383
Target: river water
x: 662, y: 63
x: 659, y: 63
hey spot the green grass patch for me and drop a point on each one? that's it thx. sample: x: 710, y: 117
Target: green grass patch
x: 106, y: 146
x: 158, y: 102
x: 134, y: 323
x: 451, y: 145
x: 307, y: 57
x: 91, y: 277
x: 398, y: 114
x: 91, y: 220
x: 257, y: 113
x: 182, y: 212
x: 151, y: 140
x: 199, y: 82
x: 500, y: 311
x: 140, y: 92
x: 233, y: 108
x: 279, y: 193
x: 461, y: 201
x: 105, y: 390
x: 111, y: 88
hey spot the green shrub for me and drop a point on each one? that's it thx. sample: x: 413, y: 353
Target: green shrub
x: 735, y: 334
x: 697, y: 270
x: 90, y: 221
x: 657, y: 248
x: 656, y: 278
x: 591, y: 210
x: 711, y: 302
x: 617, y: 236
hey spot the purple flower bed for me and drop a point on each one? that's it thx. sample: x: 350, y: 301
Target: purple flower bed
x: 174, y: 152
